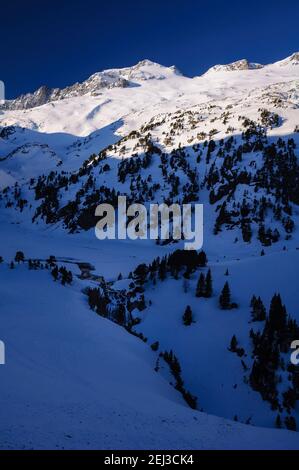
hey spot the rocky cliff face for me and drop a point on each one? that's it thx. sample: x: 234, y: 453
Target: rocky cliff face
x: 45, y: 94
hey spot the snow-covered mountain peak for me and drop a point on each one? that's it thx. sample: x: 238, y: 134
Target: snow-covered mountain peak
x: 242, y: 64
x: 146, y: 70
x: 291, y: 60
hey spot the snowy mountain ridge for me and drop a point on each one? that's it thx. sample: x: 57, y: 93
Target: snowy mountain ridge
x: 95, y: 84
x: 126, y: 77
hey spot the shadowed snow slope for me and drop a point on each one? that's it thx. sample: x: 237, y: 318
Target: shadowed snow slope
x: 75, y: 380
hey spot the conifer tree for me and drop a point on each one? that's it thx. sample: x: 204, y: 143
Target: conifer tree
x: 51, y: 260
x: 69, y: 277
x: 208, y: 287
x: 222, y: 218
x: 202, y: 259
x: 162, y: 270
x: 188, y: 317
x: 55, y: 273
x: 19, y: 257
x: 289, y: 399
x: 233, y: 344
x: 224, y: 299
x: 258, y: 311
x: 140, y: 273
x: 278, y: 423
x: 190, y: 399
x: 246, y: 230
x: 277, y: 314
x: 120, y: 314
x: 155, y: 346
x: 201, y: 286
x: 175, y: 366
x: 252, y: 301
x: 66, y: 276
x: 290, y: 423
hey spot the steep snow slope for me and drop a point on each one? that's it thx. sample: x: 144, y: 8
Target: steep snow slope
x: 75, y: 380
x: 214, y: 374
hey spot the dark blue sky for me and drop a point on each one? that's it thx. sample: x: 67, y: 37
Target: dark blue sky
x: 60, y: 42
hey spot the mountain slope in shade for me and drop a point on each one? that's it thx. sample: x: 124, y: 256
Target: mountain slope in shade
x: 74, y: 380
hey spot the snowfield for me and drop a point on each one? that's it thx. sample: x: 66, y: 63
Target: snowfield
x: 75, y: 380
